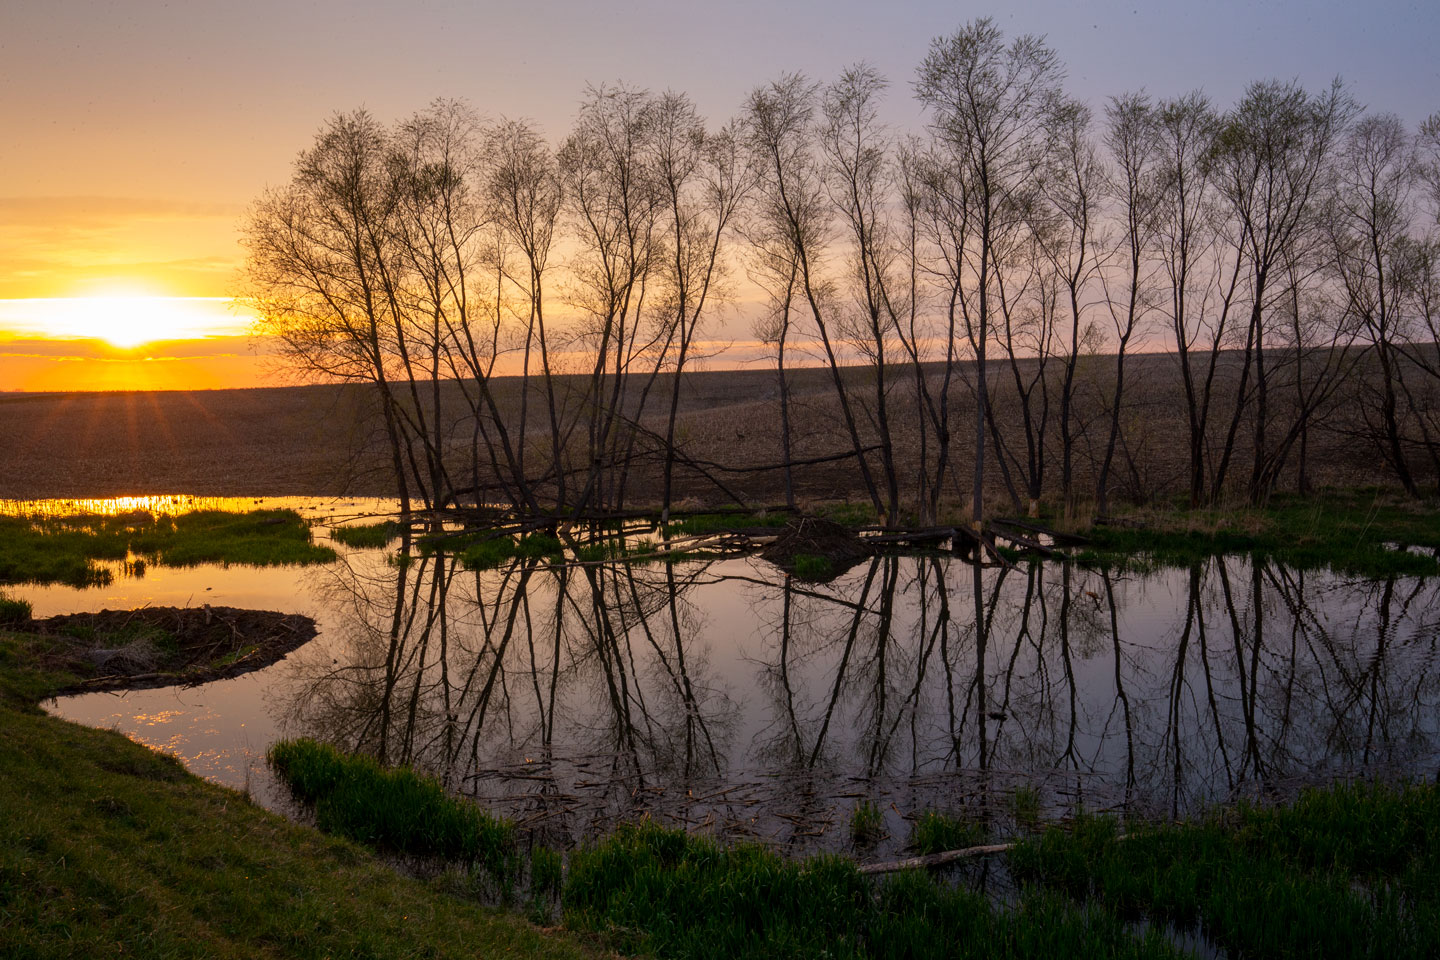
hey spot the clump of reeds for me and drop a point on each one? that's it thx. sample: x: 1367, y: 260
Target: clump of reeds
x: 367, y: 535
x: 811, y: 566
x: 867, y: 823
x: 702, y: 523
x: 490, y: 553
x: 394, y: 809
x: 546, y: 881
x: 13, y: 611
x: 935, y: 832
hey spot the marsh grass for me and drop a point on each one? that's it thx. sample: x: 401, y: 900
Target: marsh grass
x: 1363, y: 532
x: 491, y: 553
x: 720, y: 522
x: 846, y: 513
x: 66, y: 548
x: 659, y: 892
x: 13, y: 611
x: 494, y: 552
x: 867, y: 823
x: 1025, y: 807
x: 1352, y: 871
x: 367, y: 535
x: 547, y: 878
x: 935, y: 832
x: 395, y: 809
x: 810, y: 566
x: 1349, y: 872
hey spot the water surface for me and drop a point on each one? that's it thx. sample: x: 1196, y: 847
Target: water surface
x: 726, y: 696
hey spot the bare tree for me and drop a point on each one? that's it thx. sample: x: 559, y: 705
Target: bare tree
x: 523, y: 189
x: 702, y: 180
x: 615, y: 205
x: 1132, y: 142
x: 856, y: 150
x: 323, y: 269
x: 1368, y: 228
x: 987, y: 103
x: 1270, y: 155
x: 1202, y: 282
x: 793, y: 216
x: 1071, y: 242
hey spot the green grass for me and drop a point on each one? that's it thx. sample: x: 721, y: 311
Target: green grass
x: 395, y: 810
x: 14, y: 611
x: 935, y: 832
x: 719, y: 522
x: 491, y: 553
x: 847, y: 514
x: 494, y: 552
x: 1025, y: 807
x: 809, y: 566
x: 867, y: 823
x: 1352, y: 871
x: 64, y: 549
x: 367, y: 535
x: 108, y: 848
x: 663, y: 893
x: 547, y: 877
x: 1350, y: 531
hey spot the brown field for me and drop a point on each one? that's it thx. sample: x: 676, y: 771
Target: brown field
x: 314, y: 440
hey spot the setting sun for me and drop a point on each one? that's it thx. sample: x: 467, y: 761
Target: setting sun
x: 123, y: 321
x: 126, y: 340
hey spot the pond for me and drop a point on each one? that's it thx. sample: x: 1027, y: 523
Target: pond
x: 726, y: 696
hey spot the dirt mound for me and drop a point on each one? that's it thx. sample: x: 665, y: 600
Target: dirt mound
x: 157, y: 646
x: 816, y: 549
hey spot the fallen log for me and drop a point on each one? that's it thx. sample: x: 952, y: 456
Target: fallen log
x: 925, y: 535
x: 1056, y: 535
x: 1026, y: 542
x: 936, y: 859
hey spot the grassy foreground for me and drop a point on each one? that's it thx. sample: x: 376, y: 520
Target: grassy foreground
x: 1352, y: 871
x: 109, y: 849
x: 657, y: 892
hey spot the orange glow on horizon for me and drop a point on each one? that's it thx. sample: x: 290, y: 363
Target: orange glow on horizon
x: 123, y: 320
x: 124, y: 339
x: 92, y: 365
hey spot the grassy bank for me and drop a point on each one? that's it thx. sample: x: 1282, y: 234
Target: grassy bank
x: 1353, y: 871
x: 651, y: 891
x: 110, y: 849
x: 65, y: 549
x: 395, y: 810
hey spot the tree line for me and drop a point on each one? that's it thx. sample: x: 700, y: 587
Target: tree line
x: 961, y: 284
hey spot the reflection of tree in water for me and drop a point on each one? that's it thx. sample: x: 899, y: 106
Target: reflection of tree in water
x: 571, y: 695
x: 478, y: 676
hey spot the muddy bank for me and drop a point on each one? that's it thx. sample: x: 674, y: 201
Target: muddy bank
x: 161, y: 646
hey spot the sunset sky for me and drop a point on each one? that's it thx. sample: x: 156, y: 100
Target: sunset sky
x: 136, y: 132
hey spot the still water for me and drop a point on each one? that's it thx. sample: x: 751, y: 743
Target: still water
x: 726, y: 696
